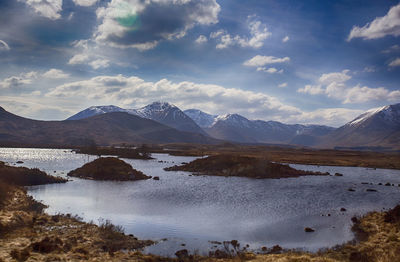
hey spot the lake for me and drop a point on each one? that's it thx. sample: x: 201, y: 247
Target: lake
x: 195, y: 210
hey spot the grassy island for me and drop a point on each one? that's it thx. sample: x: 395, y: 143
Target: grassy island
x: 23, y: 176
x: 241, y: 166
x: 123, y: 152
x: 108, y: 168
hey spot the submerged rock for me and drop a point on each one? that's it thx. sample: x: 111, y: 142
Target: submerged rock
x: 309, y: 230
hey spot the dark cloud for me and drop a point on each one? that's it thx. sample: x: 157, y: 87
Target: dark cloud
x: 124, y: 25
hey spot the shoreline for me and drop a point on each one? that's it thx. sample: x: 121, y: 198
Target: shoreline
x: 38, y: 235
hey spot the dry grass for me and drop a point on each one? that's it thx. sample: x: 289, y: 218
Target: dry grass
x: 108, y: 168
x: 243, y: 166
x: 22, y: 176
x: 293, y: 155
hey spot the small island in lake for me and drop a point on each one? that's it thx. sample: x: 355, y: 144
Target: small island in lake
x: 241, y: 166
x: 108, y: 168
x: 23, y: 176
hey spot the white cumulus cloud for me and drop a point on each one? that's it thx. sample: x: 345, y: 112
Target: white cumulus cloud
x: 55, y: 74
x: 334, y: 85
x: 85, y: 2
x: 134, y: 91
x: 258, y: 34
x: 201, y: 39
x: 260, y: 60
x: 47, y: 8
x: 395, y: 62
x: 379, y: 27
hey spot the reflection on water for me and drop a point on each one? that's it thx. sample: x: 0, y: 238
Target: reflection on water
x: 197, y: 209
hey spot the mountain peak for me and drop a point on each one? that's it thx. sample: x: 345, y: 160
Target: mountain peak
x: 161, y: 105
x: 390, y: 114
x: 96, y: 110
x: 233, y: 120
x: 203, y: 119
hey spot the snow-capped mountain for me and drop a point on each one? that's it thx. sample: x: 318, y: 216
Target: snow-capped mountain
x: 378, y: 127
x: 237, y: 128
x: 201, y: 118
x: 161, y: 112
x: 388, y: 114
x: 96, y: 110
x: 169, y: 115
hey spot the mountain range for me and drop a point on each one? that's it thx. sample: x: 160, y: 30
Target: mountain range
x: 102, y: 129
x: 161, y: 122
x: 160, y: 112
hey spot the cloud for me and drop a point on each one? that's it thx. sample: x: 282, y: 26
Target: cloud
x: 4, y: 46
x: 326, y: 116
x: 260, y: 60
x: 55, y: 74
x: 34, y: 106
x: 392, y: 49
x: 395, y: 62
x: 78, y: 59
x: 379, y: 27
x: 285, y: 39
x: 271, y: 70
x: 333, y: 85
x: 143, y: 24
x: 369, y: 69
x: 99, y: 63
x: 201, y: 39
x: 88, y: 54
x: 85, y: 2
x: 47, y: 8
x: 134, y: 91
x: 312, y: 90
x: 18, y: 81
x: 283, y: 85
x: 258, y: 34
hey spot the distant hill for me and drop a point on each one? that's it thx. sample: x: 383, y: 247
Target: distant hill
x: 161, y: 112
x: 376, y: 128
x: 103, y: 129
x: 96, y: 110
x: 237, y: 128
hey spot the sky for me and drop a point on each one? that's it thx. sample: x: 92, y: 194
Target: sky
x: 307, y: 62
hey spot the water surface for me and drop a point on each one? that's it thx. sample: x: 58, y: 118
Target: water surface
x: 194, y: 210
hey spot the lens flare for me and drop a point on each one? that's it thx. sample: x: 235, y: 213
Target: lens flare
x: 126, y: 16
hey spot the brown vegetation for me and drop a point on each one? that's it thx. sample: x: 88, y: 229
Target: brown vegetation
x: 108, y: 168
x: 23, y: 176
x: 243, y: 166
x: 30, y: 235
x: 123, y: 152
x: 292, y: 155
